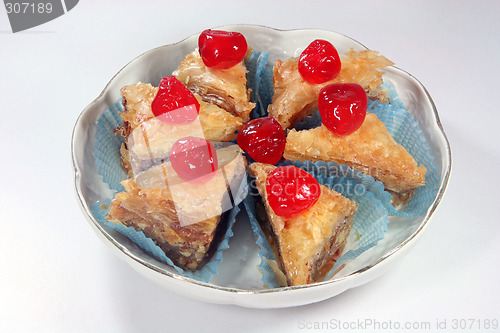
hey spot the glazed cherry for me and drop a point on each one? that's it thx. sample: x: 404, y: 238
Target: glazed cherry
x: 194, y: 159
x: 263, y: 139
x: 174, y: 103
x: 342, y: 107
x: 319, y: 62
x: 222, y: 49
x: 291, y: 190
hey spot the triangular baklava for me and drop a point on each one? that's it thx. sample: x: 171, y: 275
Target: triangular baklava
x: 294, y: 98
x: 370, y: 149
x: 307, y: 245
x: 185, y: 219
x: 148, y: 139
x: 226, y: 88
x: 218, y: 124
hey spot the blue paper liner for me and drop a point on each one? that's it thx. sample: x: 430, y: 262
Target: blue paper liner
x: 107, y: 148
x: 369, y: 225
x: 260, y: 81
x: 109, y: 166
x: 258, y: 72
x: 399, y: 122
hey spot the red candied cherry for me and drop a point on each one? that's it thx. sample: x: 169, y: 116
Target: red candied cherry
x: 319, y: 62
x: 222, y: 49
x: 342, y: 107
x: 263, y: 139
x: 194, y: 159
x: 291, y: 190
x: 174, y: 103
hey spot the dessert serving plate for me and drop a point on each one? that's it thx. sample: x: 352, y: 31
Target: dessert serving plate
x: 238, y: 280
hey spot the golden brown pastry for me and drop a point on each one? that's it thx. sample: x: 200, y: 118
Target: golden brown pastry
x: 309, y: 244
x: 148, y: 139
x: 371, y: 149
x: 186, y: 220
x: 226, y: 88
x: 294, y: 98
x: 217, y: 124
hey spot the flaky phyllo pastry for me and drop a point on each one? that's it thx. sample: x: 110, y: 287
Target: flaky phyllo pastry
x: 216, y: 125
x: 309, y: 244
x: 294, y: 98
x: 186, y: 220
x: 226, y: 88
x: 371, y: 149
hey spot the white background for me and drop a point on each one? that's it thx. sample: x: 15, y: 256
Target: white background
x: 56, y: 276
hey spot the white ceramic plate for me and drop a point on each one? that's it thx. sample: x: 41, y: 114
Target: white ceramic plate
x: 238, y: 281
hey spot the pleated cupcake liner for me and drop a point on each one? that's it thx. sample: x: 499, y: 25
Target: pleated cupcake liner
x: 257, y: 78
x: 369, y: 225
x: 107, y: 148
x: 110, y: 168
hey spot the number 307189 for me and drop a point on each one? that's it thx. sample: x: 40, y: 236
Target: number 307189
x: 28, y: 8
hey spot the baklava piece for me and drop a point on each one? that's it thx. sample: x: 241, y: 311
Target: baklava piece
x: 148, y: 139
x: 309, y: 244
x: 370, y: 149
x: 186, y: 220
x: 294, y: 98
x: 217, y: 124
x: 226, y: 88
